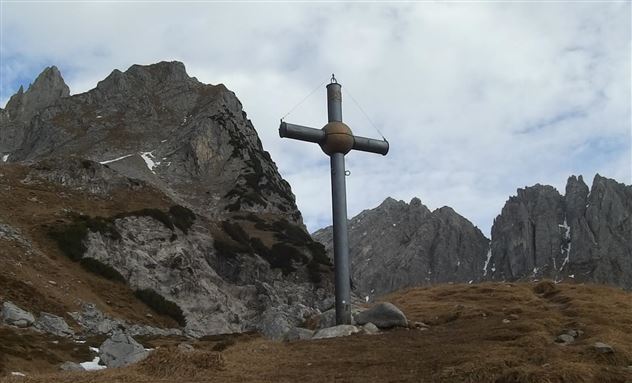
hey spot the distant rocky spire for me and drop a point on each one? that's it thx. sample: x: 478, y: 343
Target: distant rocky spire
x: 44, y: 91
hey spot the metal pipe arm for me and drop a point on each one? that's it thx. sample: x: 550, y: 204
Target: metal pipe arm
x: 370, y: 145
x: 302, y: 133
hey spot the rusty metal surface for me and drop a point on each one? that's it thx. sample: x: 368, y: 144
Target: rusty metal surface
x: 338, y: 138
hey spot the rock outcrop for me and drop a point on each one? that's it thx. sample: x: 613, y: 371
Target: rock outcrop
x: 157, y: 124
x: 584, y: 235
x: 397, y: 245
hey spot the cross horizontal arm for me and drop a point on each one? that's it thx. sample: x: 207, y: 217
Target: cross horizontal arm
x: 370, y: 145
x: 302, y: 133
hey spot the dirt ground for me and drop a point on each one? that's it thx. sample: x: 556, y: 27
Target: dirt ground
x: 491, y: 332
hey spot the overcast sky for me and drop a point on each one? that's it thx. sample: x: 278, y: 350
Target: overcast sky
x: 476, y: 99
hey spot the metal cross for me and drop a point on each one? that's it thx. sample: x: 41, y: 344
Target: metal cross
x: 336, y: 140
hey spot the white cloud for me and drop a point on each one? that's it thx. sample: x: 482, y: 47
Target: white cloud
x: 476, y: 99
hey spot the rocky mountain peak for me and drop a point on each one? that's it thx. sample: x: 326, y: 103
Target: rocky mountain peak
x: 582, y: 235
x: 155, y: 123
x: 401, y: 244
x: 47, y: 89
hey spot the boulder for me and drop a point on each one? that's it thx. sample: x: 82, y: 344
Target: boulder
x: 121, y: 350
x: 370, y: 328
x: 564, y: 339
x: 15, y: 316
x: 383, y: 315
x: 298, y: 333
x: 336, y: 331
x: 53, y: 324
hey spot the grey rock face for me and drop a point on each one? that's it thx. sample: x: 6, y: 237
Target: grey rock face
x: 383, y: 315
x: 53, y: 324
x: 15, y: 316
x: 157, y: 124
x: 215, y: 295
x: 121, y: 350
x: 336, y: 331
x: 397, y: 245
x: 583, y: 235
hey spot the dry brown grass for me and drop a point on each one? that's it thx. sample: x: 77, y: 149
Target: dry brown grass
x: 467, y: 342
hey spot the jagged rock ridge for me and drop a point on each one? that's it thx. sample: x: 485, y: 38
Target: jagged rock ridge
x: 398, y: 245
x: 585, y: 235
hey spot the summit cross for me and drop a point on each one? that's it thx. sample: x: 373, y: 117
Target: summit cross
x: 336, y: 140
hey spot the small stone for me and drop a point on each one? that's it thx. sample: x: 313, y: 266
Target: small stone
x: 564, y: 339
x: 53, y: 283
x: 514, y: 316
x: 572, y: 333
x: 15, y: 316
x: 336, y: 331
x: 603, y: 348
x: 420, y: 325
x: 298, y: 333
x: 505, y: 321
x: 185, y: 347
x: 148, y: 315
x: 71, y: 366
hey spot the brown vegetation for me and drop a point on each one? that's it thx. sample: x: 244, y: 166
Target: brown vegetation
x: 468, y: 340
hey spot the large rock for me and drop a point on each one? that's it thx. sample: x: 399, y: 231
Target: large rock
x: 398, y: 245
x: 53, y: 324
x: 336, y: 331
x: 584, y: 235
x: 121, y: 350
x: 383, y: 315
x: 15, y: 316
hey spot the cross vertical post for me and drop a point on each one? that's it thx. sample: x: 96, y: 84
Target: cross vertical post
x: 336, y: 140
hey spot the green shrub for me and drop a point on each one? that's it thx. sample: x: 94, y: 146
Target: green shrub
x: 70, y: 237
x: 182, y: 217
x: 97, y: 267
x: 235, y: 231
x: 161, y: 305
x: 283, y: 256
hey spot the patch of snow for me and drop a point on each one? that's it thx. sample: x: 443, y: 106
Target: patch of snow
x: 148, y: 158
x: 93, y: 365
x: 458, y: 262
x: 99, y: 116
x: 94, y: 349
x: 470, y: 282
x: 114, y: 160
x: 363, y: 234
x: 567, y: 229
x: 489, y: 256
x: 80, y: 341
x: 15, y: 373
x: 5, y: 158
x: 394, y: 224
x: 163, y: 141
x: 535, y: 270
x: 572, y: 276
x: 366, y: 299
x: 493, y: 269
